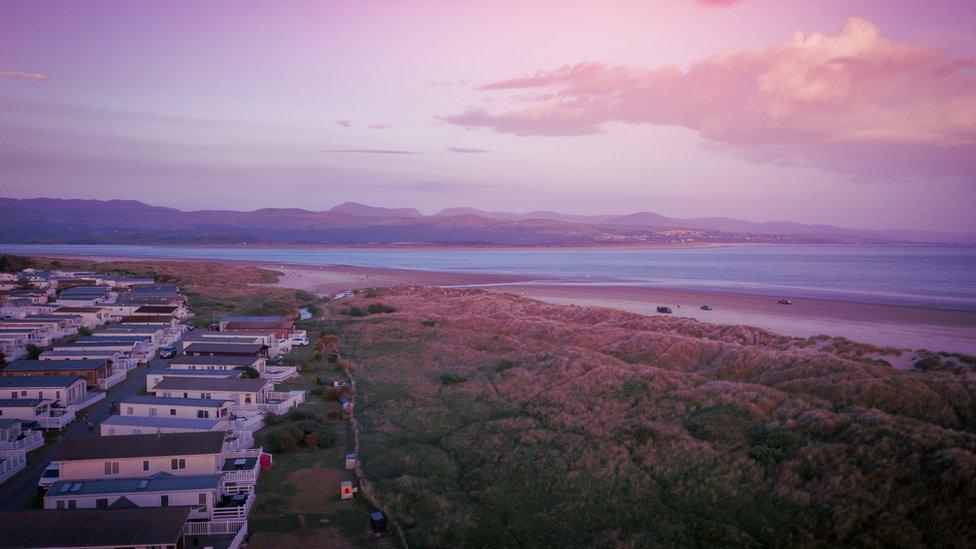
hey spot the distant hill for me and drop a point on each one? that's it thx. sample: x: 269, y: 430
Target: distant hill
x: 731, y: 225
x: 362, y: 210
x: 46, y: 220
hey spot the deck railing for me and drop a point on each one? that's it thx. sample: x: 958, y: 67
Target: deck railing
x: 104, y: 383
x: 11, y: 464
x: 208, y: 528
x: 278, y: 374
x: 240, y: 440
x: 251, y: 424
x: 221, y: 514
x: 31, y: 441
x: 56, y: 421
x: 91, y: 398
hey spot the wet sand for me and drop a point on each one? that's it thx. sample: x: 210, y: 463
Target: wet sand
x: 884, y: 325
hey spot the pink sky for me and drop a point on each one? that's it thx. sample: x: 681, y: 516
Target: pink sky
x: 859, y: 113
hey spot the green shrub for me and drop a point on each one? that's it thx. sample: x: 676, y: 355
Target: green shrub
x: 505, y: 364
x: 272, y: 418
x: 353, y: 311
x: 452, y: 379
x: 379, y: 308
x: 249, y: 373
x: 282, y: 442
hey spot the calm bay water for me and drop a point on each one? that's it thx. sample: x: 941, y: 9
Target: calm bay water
x: 934, y: 276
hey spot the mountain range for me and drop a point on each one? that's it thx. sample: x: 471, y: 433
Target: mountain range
x: 47, y: 220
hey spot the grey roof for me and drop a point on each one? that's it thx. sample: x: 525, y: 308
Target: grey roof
x: 20, y: 402
x: 37, y: 381
x: 99, y: 337
x: 251, y: 318
x: 163, y: 421
x: 171, y: 401
x: 55, y: 365
x: 134, y: 446
x: 92, y: 527
x: 160, y: 482
x: 158, y: 309
x: 5, y: 423
x: 215, y: 360
x: 177, y: 372
x: 89, y: 344
x: 211, y: 384
x: 198, y: 347
x: 54, y: 354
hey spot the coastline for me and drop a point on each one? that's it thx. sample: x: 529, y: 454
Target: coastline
x: 898, y: 326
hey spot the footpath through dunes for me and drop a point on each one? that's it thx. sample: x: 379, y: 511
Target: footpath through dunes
x: 490, y: 419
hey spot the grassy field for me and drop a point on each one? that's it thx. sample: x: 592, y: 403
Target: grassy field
x: 498, y: 421
x: 298, y: 498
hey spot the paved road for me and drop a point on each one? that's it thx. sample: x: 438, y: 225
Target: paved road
x: 21, y: 488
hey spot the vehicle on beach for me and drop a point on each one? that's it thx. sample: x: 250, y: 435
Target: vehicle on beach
x: 706, y: 308
x: 50, y: 475
x: 167, y: 352
x: 785, y: 302
x: 664, y: 310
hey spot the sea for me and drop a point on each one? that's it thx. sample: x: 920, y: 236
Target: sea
x: 941, y: 277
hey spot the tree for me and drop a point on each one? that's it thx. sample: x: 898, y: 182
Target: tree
x: 249, y: 373
x: 3, y: 359
x: 33, y: 351
x: 84, y: 331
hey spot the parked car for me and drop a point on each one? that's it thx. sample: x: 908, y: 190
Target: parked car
x: 214, y: 327
x: 706, y: 308
x: 188, y: 327
x: 664, y: 310
x: 50, y: 475
x: 785, y: 302
x: 167, y: 352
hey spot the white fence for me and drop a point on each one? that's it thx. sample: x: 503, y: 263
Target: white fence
x: 221, y: 514
x: 104, y: 383
x: 32, y: 440
x: 251, y: 423
x: 240, y: 440
x: 91, y: 398
x: 277, y: 374
x: 249, y: 476
x: 56, y: 421
x: 126, y: 364
x: 208, y: 528
x: 12, y: 464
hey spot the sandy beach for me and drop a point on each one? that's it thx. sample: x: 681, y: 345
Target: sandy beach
x: 884, y: 325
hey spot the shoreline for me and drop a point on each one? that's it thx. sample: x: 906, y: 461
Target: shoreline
x: 898, y: 326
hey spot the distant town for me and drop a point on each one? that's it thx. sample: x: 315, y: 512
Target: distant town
x: 152, y: 415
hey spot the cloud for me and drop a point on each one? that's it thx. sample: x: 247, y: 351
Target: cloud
x: 23, y: 75
x: 383, y: 126
x: 853, y: 102
x: 467, y: 150
x: 371, y: 151
x: 716, y: 3
x: 344, y: 122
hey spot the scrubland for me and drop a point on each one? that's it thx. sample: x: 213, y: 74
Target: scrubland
x: 494, y: 420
